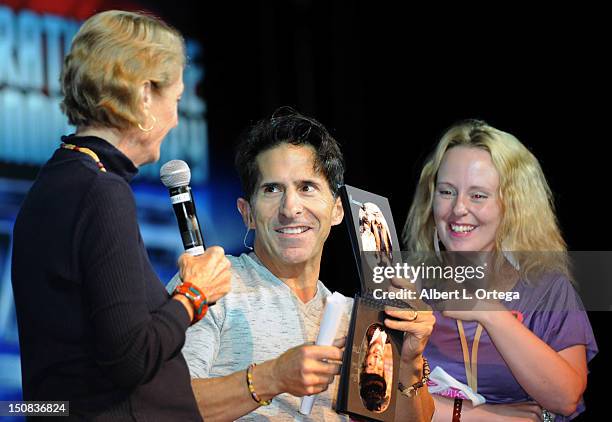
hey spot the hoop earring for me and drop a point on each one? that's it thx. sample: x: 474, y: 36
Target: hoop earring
x: 245, y: 239
x: 152, y: 126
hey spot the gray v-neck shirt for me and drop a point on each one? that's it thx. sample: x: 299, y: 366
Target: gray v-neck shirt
x: 257, y: 321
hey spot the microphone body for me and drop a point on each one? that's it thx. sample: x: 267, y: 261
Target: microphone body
x: 175, y: 175
x: 185, y: 211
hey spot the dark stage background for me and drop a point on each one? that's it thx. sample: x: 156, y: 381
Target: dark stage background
x: 388, y: 80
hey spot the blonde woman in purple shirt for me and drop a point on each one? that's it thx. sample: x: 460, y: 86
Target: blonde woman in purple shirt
x: 481, y: 190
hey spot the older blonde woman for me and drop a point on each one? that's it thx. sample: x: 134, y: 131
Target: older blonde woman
x: 96, y: 326
x: 482, y: 190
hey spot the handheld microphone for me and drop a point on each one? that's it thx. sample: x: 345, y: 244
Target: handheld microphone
x: 175, y: 175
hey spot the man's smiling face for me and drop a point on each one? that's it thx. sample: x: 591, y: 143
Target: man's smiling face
x: 293, y: 207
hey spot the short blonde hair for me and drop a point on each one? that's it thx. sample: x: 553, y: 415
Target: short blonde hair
x: 528, y: 224
x: 113, y: 53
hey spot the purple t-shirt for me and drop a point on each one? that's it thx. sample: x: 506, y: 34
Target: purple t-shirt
x: 550, y: 308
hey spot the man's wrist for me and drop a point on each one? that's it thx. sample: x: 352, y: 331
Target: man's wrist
x: 420, y: 381
x: 412, y: 370
x: 266, y: 383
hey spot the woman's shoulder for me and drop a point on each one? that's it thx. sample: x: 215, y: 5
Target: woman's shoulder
x: 548, y: 291
x: 109, y: 187
x: 548, y: 281
x: 77, y: 173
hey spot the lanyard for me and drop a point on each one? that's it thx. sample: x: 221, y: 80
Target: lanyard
x: 471, y: 365
x: 86, y: 151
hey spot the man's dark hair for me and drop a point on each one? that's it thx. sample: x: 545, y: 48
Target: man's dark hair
x: 288, y: 126
x: 373, y: 389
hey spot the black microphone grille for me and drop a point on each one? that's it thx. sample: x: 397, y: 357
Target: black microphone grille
x: 175, y: 173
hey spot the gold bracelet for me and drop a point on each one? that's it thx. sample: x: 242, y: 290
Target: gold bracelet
x: 249, y: 378
x: 414, y: 388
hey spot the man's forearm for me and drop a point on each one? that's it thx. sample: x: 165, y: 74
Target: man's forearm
x: 421, y: 406
x: 228, y: 398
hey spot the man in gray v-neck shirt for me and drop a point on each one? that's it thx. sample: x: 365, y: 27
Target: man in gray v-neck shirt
x: 290, y: 168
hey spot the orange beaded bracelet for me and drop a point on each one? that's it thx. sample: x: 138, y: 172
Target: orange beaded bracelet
x: 196, y: 297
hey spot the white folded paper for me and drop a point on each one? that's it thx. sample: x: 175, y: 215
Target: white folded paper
x: 332, y: 315
x: 442, y: 383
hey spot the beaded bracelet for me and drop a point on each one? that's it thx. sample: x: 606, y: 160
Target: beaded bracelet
x: 249, y: 379
x: 196, y: 297
x: 414, y: 388
x: 457, y: 405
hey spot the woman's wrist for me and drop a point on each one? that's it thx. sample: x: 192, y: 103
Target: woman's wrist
x: 186, y: 304
x: 490, y: 320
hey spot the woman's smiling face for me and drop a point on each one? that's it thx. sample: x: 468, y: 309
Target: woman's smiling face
x: 466, y: 207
